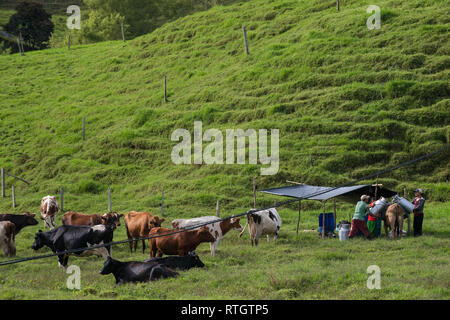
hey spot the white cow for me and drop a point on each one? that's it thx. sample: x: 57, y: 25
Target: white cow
x: 49, y: 209
x: 265, y: 222
x: 217, y: 229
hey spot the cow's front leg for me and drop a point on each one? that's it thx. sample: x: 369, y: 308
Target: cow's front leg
x: 62, y: 261
x: 268, y: 238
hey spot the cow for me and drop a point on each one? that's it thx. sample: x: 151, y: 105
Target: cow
x: 394, y: 217
x: 75, y: 237
x: 79, y: 219
x: 217, y: 229
x: 49, y: 209
x: 7, y: 232
x: 178, y: 243
x: 265, y: 222
x: 20, y: 221
x: 138, y: 225
x: 183, y: 263
x: 134, y: 271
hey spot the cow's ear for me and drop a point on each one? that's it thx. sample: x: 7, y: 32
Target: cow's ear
x: 162, y: 220
x: 32, y: 215
x: 121, y: 215
x: 40, y: 231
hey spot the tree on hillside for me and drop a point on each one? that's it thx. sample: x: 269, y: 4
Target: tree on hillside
x: 33, y: 22
x: 139, y: 16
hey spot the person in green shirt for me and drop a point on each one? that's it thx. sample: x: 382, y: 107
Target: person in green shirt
x: 358, y: 220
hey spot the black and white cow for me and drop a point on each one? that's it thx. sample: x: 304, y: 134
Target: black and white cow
x: 134, y: 271
x: 265, y: 222
x: 179, y: 262
x: 75, y: 237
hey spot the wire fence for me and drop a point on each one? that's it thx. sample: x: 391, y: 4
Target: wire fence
x: 278, y: 204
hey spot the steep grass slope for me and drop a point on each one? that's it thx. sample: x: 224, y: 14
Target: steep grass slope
x: 348, y: 101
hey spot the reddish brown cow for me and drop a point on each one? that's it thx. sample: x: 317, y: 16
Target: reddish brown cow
x: 7, y: 231
x: 177, y: 244
x: 138, y: 225
x: 79, y: 219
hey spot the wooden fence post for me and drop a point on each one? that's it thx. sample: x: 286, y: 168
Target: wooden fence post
x: 123, y: 33
x: 3, y: 182
x: 22, y: 51
x: 409, y: 216
x: 84, y: 128
x: 61, y: 200
x: 337, y: 5
x: 217, y: 209
x: 162, y: 203
x: 323, y: 221
x: 299, y: 210
x: 254, y: 193
x: 14, y: 196
x: 245, y: 39
x: 165, y: 88
x: 68, y: 44
x: 109, y: 200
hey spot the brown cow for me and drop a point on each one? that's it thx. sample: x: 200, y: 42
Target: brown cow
x: 72, y: 218
x: 177, y: 244
x: 138, y: 225
x: 394, y: 217
x: 7, y: 231
x: 49, y: 209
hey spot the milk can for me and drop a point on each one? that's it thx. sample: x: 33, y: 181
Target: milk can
x: 344, y: 230
x: 408, y: 206
x: 379, y: 204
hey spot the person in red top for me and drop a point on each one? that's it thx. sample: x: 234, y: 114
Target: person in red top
x: 418, y: 203
x: 372, y: 221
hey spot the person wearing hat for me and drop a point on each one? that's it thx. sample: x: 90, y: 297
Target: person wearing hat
x: 358, y: 220
x: 418, y: 203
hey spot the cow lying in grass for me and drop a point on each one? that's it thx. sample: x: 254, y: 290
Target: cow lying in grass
x: 134, y: 271
x: 183, y: 263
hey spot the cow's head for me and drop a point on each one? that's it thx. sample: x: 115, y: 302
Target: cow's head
x: 155, y: 222
x: 204, y: 235
x: 108, y: 266
x: 38, y: 240
x: 235, y: 224
x: 196, y: 262
x: 29, y: 219
x: 111, y: 218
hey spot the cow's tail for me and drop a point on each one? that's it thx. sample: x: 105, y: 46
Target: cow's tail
x: 240, y: 234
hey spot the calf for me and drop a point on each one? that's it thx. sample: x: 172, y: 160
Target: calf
x: 7, y: 231
x: 20, y: 221
x: 49, y: 209
x: 184, y: 263
x: 78, y: 219
x: 217, y: 229
x: 135, y: 271
x: 265, y: 222
x: 138, y: 225
x: 177, y: 244
x: 75, y: 237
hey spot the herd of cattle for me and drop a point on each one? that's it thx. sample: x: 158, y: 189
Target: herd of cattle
x: 80, y: 231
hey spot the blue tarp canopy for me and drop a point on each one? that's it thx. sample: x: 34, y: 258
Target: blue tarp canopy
x: 350, y: 194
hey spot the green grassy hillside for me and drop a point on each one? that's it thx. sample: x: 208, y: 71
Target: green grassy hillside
x: 348, y: 101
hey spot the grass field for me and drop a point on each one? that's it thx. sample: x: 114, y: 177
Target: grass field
x: 303, y: 267
x: 348, y: 102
